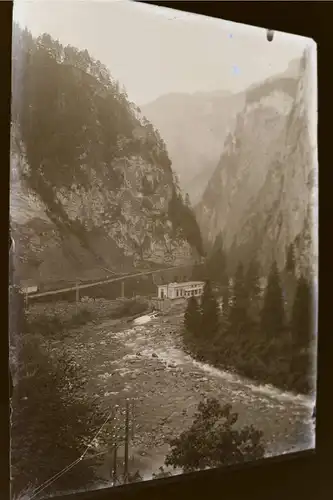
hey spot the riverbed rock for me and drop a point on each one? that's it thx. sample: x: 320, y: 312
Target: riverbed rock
x: 154, y: 355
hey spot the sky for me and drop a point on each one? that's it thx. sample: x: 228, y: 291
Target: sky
x: 154, y: 51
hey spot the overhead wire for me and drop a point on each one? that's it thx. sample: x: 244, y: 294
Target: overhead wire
x: 54, y: 478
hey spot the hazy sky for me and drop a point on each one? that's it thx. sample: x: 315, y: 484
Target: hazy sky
x: 154, y: 50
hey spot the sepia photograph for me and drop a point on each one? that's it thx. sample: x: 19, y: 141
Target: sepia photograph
x: 163, y: 277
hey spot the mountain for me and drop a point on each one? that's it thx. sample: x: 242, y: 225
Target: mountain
x: 92, y: 189
x: 194, y: 127
x: 261, y: 195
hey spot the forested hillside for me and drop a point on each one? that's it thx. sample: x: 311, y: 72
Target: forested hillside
x: 91, y: 178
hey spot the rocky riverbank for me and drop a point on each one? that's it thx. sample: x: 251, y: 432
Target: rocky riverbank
x: 146, y: 363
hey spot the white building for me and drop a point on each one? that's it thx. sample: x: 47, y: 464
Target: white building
x: 28, y: 287
x: 181, y: 290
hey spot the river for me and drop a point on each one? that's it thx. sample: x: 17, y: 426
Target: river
x: 144, y: 361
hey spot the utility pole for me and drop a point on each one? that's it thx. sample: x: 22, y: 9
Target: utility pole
x: 77, y: 296
x: 77, y: 293
x: 115, y: 435
x: 122, y: 289
x: 114, y: 468
x: 132, y: 421
x: 132, y: 428
x: 126, y: 442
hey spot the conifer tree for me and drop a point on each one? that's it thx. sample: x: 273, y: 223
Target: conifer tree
x: 226, y: 297
x: 273, y: 314
x: 217, y: 263
x: 252, y: 281
x: 210, y: 312
x: 302, y: 314
x: 192, y: 317
x: 198, y: 272
x: 215, y: 439
x: 290, y: 261
x: 238, y: 308
x: 252, y: 287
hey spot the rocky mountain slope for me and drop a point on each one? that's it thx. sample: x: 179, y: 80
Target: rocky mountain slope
x: 92, y: 189
x: 261, y: 196
x: 194, y: 127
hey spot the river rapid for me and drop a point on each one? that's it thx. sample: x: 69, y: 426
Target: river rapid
x: 144, y: 361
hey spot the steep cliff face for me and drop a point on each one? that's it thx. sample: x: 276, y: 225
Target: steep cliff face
x: 91, y: 179
x: 194, y: 128
x: 261, y: 195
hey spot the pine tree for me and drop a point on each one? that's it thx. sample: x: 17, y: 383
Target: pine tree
x: 238, y: 309
x: 252, y: 280
x: 252, y: 286
x: 226, y: 292
x: 302, y: 316
x: 198, y: 272
x: 210, y: 312
x: 216, y: 265
x: 290, y: 261
x: 273, y: 314
x: 214, y: 439
x: 192, y: 317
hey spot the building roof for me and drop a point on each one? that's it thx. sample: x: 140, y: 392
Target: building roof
x: 185, y: 283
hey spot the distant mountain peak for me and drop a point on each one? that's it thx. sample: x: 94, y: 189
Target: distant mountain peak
x: 195, y: 125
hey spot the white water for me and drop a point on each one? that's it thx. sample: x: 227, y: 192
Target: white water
x: 290, y: 413
x: 142, y: 320
x: 173, y: 355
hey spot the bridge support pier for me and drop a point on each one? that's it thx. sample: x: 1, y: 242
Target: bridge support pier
x: 122, y: 294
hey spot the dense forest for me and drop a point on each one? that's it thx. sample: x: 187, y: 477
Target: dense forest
x: 261, y: 327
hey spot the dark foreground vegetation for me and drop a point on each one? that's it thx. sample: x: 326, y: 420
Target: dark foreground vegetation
x: 53, y: 418
x: 264, y: 330
x: 213, y: 440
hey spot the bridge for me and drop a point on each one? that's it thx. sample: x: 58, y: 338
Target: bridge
x: 77, y: 287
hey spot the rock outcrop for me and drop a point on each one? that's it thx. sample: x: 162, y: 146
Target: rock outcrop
x: 194, y: 127
x: 262, y: 195
x: 91, y: 178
